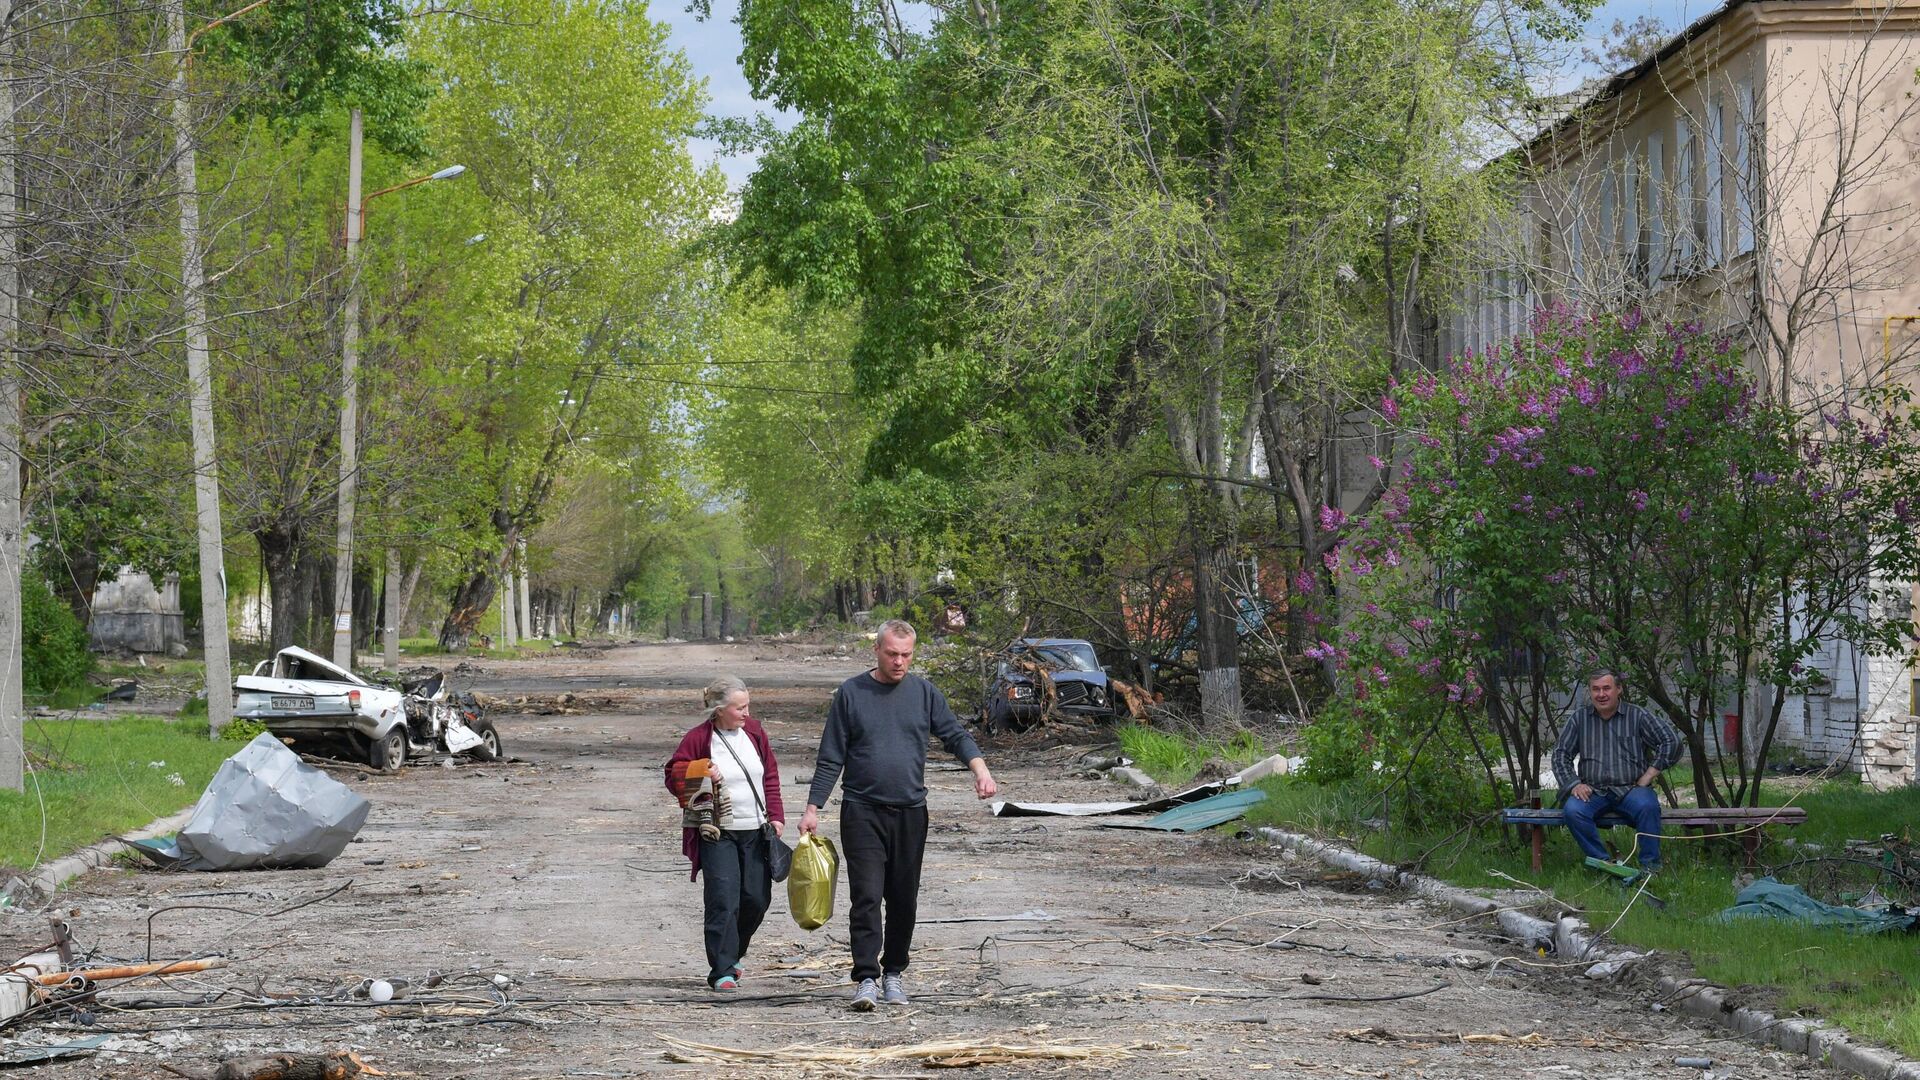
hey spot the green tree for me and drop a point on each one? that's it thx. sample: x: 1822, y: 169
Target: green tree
x: 571, y: 317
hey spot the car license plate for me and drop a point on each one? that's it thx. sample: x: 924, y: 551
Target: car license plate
x: 293, y: 703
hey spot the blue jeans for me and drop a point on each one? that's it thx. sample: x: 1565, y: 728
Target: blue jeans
x: 1639, y: 805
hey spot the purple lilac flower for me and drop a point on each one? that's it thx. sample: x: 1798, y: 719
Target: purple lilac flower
x: 1331, y: 518
x: 1389, y: 408
x: 1639, y: 499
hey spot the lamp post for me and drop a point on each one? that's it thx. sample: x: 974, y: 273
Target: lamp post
x: 349, y: 391
x: 193, y: 294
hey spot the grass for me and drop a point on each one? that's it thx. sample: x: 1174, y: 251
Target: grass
x: 1173, y: 758
x: 93, y: 778
x: 1871, y: 985
x: 69, y: 697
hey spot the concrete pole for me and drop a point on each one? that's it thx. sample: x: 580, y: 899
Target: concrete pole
x: 390, y: 642
x: 526, y: 601
x: 13, y: 752
x: 349, y: 414
x: 206, y: 465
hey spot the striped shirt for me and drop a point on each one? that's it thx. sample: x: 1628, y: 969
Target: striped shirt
x: 1612, y: 753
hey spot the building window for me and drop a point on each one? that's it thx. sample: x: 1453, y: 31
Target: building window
x: 1746, y: 181
x: 1684, y: 209
x: 1656, y: 258
x: 1716, y: 208
x: 1630, y: 218
x: 1603, y: 243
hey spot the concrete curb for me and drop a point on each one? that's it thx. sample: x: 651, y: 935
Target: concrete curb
x: 1570, y: 937
x: 39, y: 886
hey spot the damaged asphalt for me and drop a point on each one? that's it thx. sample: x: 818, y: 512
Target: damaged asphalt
x: 535, y: 920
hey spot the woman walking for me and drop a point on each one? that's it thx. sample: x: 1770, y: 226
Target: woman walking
x: 728, y: 784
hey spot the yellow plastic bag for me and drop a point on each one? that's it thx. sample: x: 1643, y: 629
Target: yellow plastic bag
x: 816, y: 865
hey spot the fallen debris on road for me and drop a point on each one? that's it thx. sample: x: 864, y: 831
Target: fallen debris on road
x: 1194, y: 816
x: 1277, y: 765
x: 264, y: 809
x: 944, y: 1053
x: 339, y: 1065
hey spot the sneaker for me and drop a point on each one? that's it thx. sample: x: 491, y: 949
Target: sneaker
x: 726, y: 982
x: 865, y: 998
x: 893, y: 988
x: 739, y: 973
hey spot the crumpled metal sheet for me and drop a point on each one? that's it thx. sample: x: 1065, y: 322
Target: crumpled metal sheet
x: 1195, y: 816
x: 265, y: 809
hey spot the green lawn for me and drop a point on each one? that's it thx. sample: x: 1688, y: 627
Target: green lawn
x: 1871, y: 985
x: 93, y: 778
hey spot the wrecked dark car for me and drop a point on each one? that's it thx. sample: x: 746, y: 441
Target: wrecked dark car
x: 1038, y: 677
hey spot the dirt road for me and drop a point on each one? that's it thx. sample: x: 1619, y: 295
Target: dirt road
x: 1163, y: 955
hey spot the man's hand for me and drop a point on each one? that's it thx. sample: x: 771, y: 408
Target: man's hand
x: 1583, y: 792
x: 810, y: 821
x: 983, y: 784
x: 1647, y: 778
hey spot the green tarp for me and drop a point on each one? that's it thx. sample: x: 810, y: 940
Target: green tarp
x: 1769, y: 899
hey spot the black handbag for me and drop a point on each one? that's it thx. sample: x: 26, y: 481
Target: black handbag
x: 779, y: 853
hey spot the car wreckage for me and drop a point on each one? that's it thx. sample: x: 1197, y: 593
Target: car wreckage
x: 303, y: 698
x: 1040, y: 677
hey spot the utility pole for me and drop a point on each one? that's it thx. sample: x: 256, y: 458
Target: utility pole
x: 13, y: 750
x: 526, y: 602
x: 206, y: 466
x: 349, y: 414
x: 390, y: 644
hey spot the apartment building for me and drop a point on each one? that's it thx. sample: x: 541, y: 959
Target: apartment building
x: 1760, y: 173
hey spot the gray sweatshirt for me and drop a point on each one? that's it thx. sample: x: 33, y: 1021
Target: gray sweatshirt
x: 878, y: 734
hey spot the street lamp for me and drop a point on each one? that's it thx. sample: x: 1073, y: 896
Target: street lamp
x: 349, y: 391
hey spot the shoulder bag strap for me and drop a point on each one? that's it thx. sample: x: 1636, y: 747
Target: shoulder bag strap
x: 753, y: 785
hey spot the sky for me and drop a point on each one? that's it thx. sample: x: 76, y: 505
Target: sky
x: 712, y: 46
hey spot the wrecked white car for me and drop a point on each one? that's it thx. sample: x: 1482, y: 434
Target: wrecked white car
x: 304, y: 698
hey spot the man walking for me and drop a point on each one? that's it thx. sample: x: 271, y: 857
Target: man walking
x: 878, y: 729
x: 1620, y: 750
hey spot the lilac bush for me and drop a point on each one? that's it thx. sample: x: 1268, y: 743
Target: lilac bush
x: 1608, y: 491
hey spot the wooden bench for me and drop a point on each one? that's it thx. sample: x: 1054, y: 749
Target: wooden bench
x: 1742, y: 821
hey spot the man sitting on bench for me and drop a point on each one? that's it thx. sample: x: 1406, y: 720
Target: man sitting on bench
x: 1606, y: 761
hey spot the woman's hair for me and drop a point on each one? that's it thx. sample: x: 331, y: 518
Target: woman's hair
x: 718, y: 691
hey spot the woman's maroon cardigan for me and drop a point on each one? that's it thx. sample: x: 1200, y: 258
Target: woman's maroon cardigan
x: 697, y: 744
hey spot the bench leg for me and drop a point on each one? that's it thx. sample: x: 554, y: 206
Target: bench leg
x: 1750, y: 845
x: 1538, y: 841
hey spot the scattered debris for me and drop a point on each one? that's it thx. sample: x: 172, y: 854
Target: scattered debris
x: 1694, y: 1062
x: 122, y: 692
x: 1205, y: 814
x: 943, y: 1053
x: 265, y: 809
x: 1769, y: 899
x: 1382, y: 1035
x: 1035, y: 915
x: 1276, y: 765
x: 37, y: 1055
x: 339, y: 1065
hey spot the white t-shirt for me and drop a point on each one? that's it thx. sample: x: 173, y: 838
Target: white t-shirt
x: 742, y: 784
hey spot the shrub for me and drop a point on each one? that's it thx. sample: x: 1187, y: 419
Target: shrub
x: 53, y: 645
x: 1607, y: 490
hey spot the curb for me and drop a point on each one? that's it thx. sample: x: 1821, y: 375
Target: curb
x: 1569, y: 936
x: 40, y: 885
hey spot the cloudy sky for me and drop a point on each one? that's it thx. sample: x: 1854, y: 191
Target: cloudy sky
x: 713, y: 46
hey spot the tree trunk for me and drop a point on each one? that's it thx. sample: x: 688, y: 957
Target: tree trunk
x: 470, y: 603
x: 1216, y: 634
x: 279, y: 550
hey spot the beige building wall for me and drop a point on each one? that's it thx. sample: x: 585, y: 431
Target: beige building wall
x: 1761, y: 175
